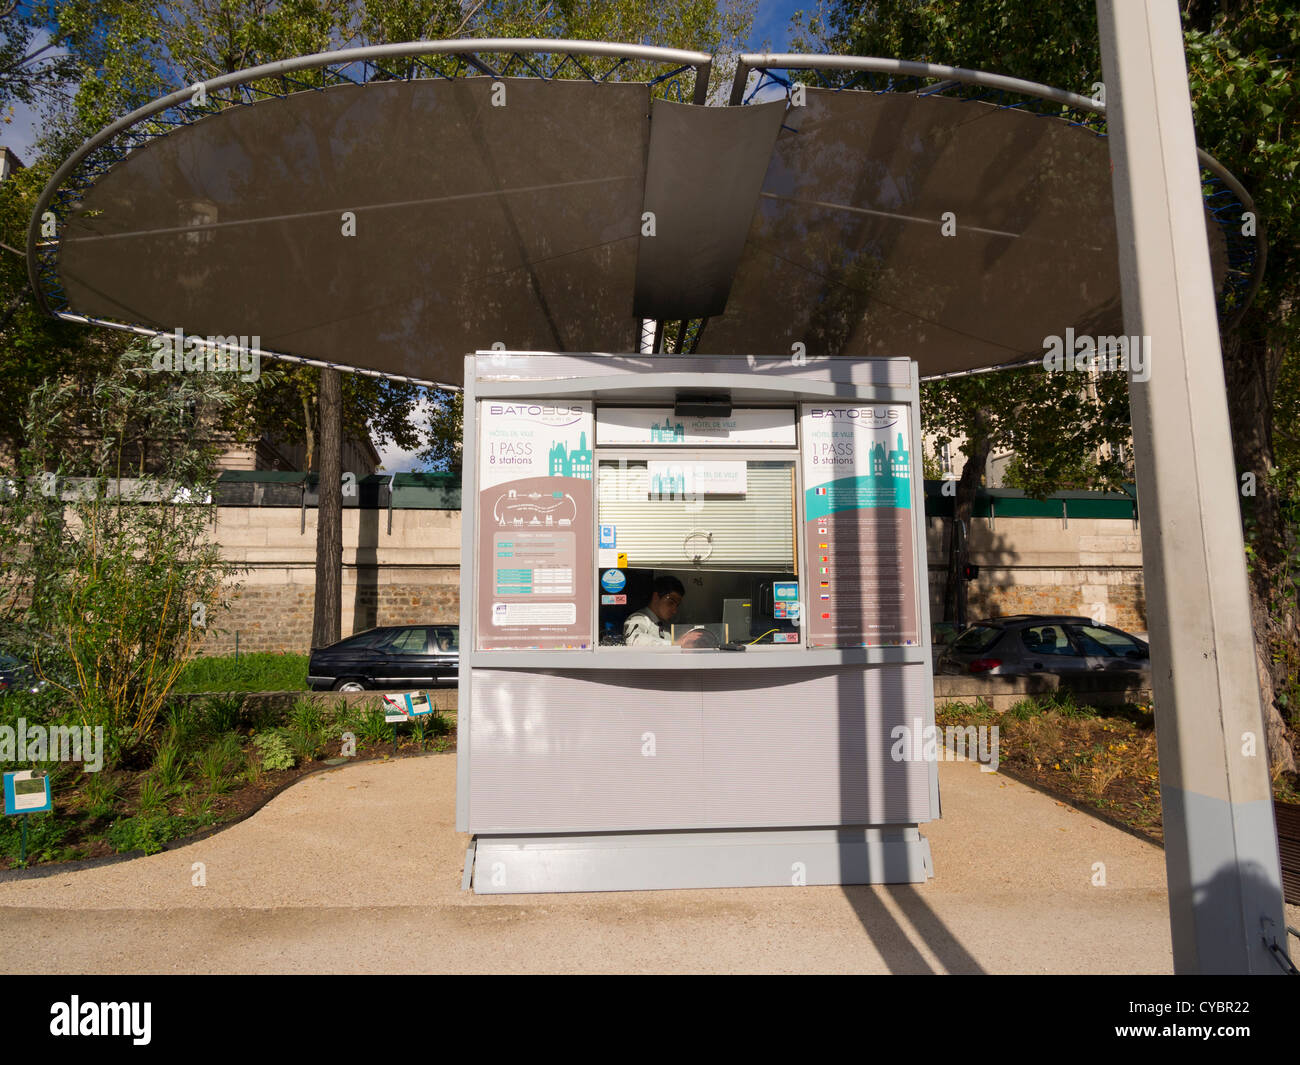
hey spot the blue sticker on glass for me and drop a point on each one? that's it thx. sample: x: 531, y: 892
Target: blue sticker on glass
x: 787, y: 591
x: 608, y: 536
x: 613, y: 580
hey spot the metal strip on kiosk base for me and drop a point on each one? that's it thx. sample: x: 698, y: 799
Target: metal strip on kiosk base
x: 657, y: 860
x: 695, y: 624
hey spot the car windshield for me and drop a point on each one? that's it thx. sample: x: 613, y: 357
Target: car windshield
x: 977, y: 638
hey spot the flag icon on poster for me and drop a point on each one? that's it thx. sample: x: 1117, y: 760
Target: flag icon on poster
x: 826, y: 558
x: 826, y: 617
x: 823, y: 547
x: 826, y: 584
x: 821, y: 491
x: 825, y: 595
x: 825, y: 570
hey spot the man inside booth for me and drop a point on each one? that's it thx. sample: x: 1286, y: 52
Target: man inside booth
x: 652, y: 625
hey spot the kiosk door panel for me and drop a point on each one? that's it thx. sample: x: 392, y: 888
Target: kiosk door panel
x: 557, y: 752
x: 783, y: 747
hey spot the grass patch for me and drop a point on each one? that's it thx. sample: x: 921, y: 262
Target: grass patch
x: 257, y: 672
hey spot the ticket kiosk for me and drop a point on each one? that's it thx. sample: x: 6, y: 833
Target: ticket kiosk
x: 772, y: 731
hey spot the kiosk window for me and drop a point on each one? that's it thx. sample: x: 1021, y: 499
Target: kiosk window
x: 724, y: 528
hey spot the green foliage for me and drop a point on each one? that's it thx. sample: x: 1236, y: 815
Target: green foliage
x: 307, y: 715
x: 220, y: 762
x: 195, y: 804
x: 184, y: 725
x: 168, y: 769
x: 427, y: 727
x: 152, y: 798
x: 446, y: 418
x: 1063, y: 427
x: 306, y: 745
x: 371, y: 728
x: 100, y: 794
x: 273, y: 750
x: 221, y: 713
x: 150, y: 832
x: 101, y: 578
x: 45, y: 835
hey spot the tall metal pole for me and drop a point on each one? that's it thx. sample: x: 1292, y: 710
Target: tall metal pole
x: 1221, y: 855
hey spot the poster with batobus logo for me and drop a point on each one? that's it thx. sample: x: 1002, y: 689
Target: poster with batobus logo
x: 861, y: 571
x: 536, y: 561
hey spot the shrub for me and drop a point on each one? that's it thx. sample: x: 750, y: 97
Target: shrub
x: 307, y: 716
x: 221, y: 713
x: 169, y: 766
x: 152, y: 797
x: 100, y: 794
x: 45, y: 834
x: 372, y: 728
x: 218, y: 763
x: 273, y: 750
x: 306, y: 745
x: 110, y: 599
x: 149, y: 833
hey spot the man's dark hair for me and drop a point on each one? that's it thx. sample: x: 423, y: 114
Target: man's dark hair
x: 664, y: 586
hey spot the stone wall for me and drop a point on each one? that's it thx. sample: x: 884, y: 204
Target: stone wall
x: 407, y: 576
x: 1086, y: 566
x: 1091, y: 567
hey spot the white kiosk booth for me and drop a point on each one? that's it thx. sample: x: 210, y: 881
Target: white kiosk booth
x: 757, y: 740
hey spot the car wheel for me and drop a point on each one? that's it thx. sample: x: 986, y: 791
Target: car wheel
x: 350, y: 685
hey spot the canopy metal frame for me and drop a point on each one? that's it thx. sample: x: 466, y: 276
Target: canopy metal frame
x: 1225, y: 197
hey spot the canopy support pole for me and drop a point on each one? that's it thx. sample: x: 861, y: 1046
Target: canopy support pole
x: 1221, y: 854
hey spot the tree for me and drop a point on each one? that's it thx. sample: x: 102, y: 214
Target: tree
x: 1241, y: 67
x: 1058, y: 425
x: 30, y: 69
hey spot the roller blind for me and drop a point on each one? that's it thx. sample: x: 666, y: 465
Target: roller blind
x: 753, y: 532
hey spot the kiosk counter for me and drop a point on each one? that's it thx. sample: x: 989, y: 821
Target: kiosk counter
x: 694, y: 623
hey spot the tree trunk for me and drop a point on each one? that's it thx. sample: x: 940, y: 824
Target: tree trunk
x: 1250, y: 367
x: 309, y: 433
x: 328, y: 613
x: 977, y: 450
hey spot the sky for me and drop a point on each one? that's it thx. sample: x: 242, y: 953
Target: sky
x: 19, y: 128
x: 772, y: 23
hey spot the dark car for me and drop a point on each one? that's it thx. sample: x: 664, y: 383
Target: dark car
x: 396, y: 656
x: 1038, y: 643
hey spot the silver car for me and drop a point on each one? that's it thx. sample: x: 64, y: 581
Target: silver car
x: 1037, y: 643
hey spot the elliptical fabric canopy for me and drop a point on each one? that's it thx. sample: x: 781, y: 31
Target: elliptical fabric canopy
x: 954, y: 232
x: 474, y: 224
